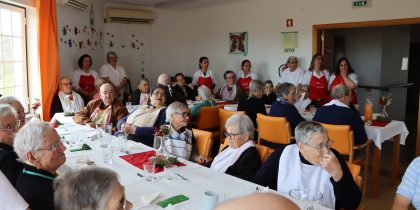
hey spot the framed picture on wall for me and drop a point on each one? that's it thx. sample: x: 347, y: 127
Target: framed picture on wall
x: 238, y: 43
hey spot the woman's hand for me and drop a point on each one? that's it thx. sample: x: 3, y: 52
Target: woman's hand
x: 200, y: 160
x: 330, y: 163
x: 128, y: 128
x: 344, y: 73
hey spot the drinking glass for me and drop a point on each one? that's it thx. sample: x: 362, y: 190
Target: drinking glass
x: 149, y: 169
x: 170, y: 171
x: 311, y: 199
x: 107, y: 154
x: 123, y: 137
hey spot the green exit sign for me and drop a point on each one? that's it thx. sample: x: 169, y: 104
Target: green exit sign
x: 361, y: 3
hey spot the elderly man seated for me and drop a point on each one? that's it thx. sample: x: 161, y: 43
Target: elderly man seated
x: 171, y: 94
x: 89, y: 188
x: 15, y: 103
x: 66, y: 100
x: 240, y: 158
x: 39, y: 147
x: 409, y: 188
x: 141, y: 95
x: 105, y: 110
x: 230, y: 91
x: 311, y: 164
x: 284, y: 107
x: 9, y: 126
x: 338, y: 112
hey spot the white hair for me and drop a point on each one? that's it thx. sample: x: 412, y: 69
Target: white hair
x: 8, y: 100
x: 243, y: 123
x: 175, y: 106
x: 87, y: 188
x: 205, y: 93
x: 306, y: 129
x: 30, y: 138
x: 5, y: 110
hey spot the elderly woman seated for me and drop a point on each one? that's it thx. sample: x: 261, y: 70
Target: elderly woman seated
x: 254, y: 103
x: 181, y: 142
x: 240, y: 158
x: 39, y: 147
x: 15, y: 103
x: 9, y: 126
x: 89, y: 188
x: 141, y: 123
x: 106, y: 110
x: 206, y: 99
x: 283, y: 107
x: 311, y: 164
x: 65, y: 99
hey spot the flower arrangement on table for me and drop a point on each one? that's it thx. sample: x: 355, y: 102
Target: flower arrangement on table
x: 68, y: 99
x: 384, y: 101
x: 34, y: 107
x: 162, y: 156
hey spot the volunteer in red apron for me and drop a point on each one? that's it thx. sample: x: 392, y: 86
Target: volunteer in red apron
x: 344, y: 74
x: 204, y: 76
x: 84, y: 78
x: 317, y: 78
x: 246, y: 76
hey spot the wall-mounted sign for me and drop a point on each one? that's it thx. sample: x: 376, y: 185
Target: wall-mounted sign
x: 289, y: 23
x: 361, y: 3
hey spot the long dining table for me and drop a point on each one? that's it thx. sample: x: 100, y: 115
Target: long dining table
x: 199, y: 178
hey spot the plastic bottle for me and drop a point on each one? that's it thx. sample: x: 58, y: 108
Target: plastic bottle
x: 368, y: 109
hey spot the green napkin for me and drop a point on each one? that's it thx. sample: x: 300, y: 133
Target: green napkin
x: 84, y: 147
x: 173, y: 200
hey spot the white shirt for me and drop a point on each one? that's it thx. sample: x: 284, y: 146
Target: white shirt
x: 79, y: 72
x: 75, y: 105
x: 352, y: 77
x: 116, y: 75
x: 337, y: 103
x: 198, y: 74
x: 251, y: 74
x: 308, y: 75
x: 294, y: 77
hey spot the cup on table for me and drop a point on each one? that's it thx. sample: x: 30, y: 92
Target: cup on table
x: 211, y: 200
x: 311, y: 199
x: 107, y: 154
x: 170, y: 171
x: 312, y: 109
x: 149, y: 169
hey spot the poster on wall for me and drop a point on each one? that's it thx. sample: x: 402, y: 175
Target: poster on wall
x: 238, y: 43
x: 289, y: 41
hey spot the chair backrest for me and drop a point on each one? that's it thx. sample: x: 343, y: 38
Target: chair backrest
x: 223, y: 145
x: 343, y: 139
x: 204, y: 142
x: 223, y: 116
x: 355, y: 172
x: 208, y: 118
x: 273, y: 129
x: 262, y: 152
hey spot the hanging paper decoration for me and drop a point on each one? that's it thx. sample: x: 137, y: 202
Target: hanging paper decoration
x: 92, y: 17
x: 76, y: 30
x: 64, y: 31
x: 70, y: 43
x: 111, y: 44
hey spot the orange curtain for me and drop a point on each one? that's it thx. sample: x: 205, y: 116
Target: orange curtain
x: 49, y: 63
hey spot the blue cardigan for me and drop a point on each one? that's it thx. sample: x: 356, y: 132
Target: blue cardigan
x: 339, y: 115
x: 145, y: 134
x: 282, y: 108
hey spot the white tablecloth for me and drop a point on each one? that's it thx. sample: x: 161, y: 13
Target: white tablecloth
x: 234, y: 107
x: 200, y: 179
x: 381, y: 134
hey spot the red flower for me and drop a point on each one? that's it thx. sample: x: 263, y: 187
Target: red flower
x: 36, y: 104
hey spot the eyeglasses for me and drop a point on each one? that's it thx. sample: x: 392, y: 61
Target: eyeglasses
x: 11, y: 126
x: 321, y: 146
x: 67, y: 84
x: 54, y: 147
x: 184, y: 114
x: 232, y: 135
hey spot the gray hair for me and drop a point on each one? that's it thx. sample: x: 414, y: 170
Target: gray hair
x: 306, y: 129
x: 87, y: 188
x: 5, y: 110
x: 292, y: 58
x: 284, y: 88
x: 339, y: 91
x: 243, y: 123
x: 205, y: 93
x: 175, y: 106
x: 109, y: 54
x: 8, y: 100
x: 30, y: 138
x: 254, y: 86
x: 99, y: 82
x: 164, y: 79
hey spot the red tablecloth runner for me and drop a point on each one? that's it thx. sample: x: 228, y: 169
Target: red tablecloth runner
x: 380, y: 123
x: 138, y: 159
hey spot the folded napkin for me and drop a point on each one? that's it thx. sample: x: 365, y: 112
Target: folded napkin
x: 138, y: 159
x: 149, y: 198
x: 84, y: 147
x: 379, y: 123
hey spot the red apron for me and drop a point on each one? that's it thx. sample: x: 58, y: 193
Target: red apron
x: 339, y: 80
x: 87, y: 83
x: 207, y: 81
x: 244, y: 83
x: 318, y: 89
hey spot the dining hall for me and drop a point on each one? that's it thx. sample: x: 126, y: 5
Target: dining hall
x: 209, y: 104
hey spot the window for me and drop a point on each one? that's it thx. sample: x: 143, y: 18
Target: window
x: 13, y: 67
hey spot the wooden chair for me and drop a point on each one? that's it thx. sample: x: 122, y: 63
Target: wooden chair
x: 208, y: 118
x: 355, y: 172
x: 343, y: 139
x: 223, y: 116
x: 204, y: 142
x: 273, y: 129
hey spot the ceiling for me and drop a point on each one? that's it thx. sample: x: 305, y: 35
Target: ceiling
x: 171, y: 3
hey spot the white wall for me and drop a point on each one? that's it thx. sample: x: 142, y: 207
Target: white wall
x: 71, y: 17
x: 181, y: 36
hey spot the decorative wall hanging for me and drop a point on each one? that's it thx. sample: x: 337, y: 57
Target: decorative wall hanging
x: 238, y: 43
x: 289, y: 41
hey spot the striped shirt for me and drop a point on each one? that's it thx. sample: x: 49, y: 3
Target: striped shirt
x: 180, y: 144
x: 410, y: 183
